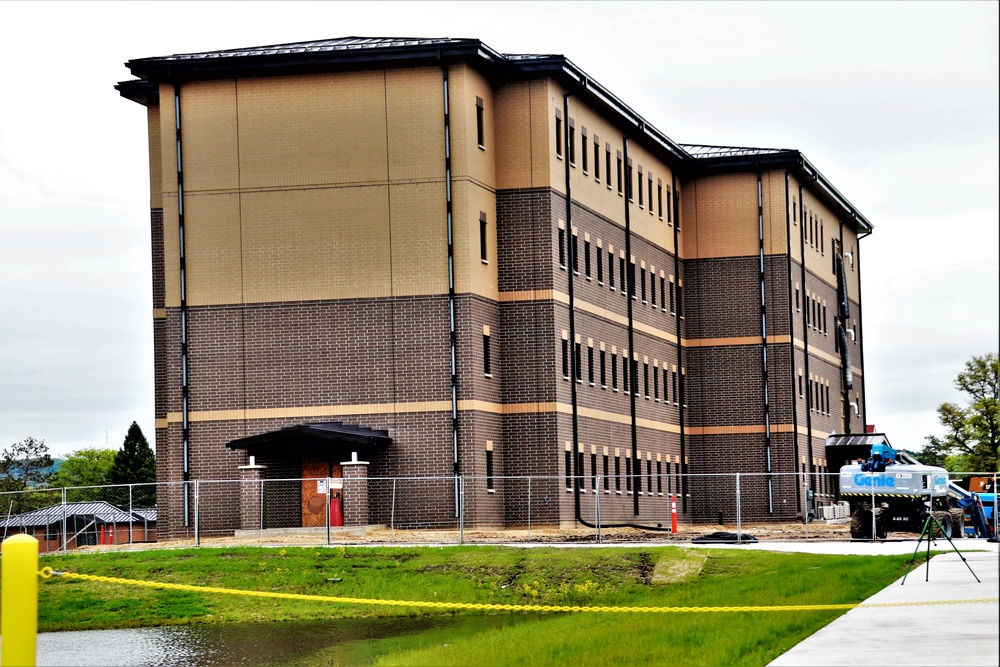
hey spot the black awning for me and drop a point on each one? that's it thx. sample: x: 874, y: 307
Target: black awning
x: 320, y: 437
x: 855, y: 439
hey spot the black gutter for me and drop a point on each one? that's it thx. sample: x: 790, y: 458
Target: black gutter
x: 763, y: 332
x: 452, y: 334
x: 680, y: 359
x: 630, y: 295
x: 185, y: 393
x: 805, y: 337
x: 791, y: 346
x: 574, y: 369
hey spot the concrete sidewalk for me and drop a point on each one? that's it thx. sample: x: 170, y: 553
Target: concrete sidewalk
x: 963, y: 633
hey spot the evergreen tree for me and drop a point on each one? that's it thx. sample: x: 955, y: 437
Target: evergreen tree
x: 135, y: 463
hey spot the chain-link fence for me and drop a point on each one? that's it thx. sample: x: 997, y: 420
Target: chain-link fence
x: 643, y: 506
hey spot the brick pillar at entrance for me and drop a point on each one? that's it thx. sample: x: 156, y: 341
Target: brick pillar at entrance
x: 355, y: 491
x: 251, y: 481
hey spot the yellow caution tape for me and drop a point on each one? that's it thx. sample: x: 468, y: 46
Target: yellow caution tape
x: 48, y: 572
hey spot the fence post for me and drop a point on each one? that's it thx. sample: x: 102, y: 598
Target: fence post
x: 739, y: 518
x: 329, y: 492
x: 392, y: 512
x: 461, y: 510
x: 597, y: 505
x: 19, y: 600
x: 260, y: 519
x: 64, y: 541
x: 131, y: 517
x: 529, y: 507
x: 197, y: 507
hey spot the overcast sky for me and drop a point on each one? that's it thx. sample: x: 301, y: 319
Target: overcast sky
x: 896, y: 103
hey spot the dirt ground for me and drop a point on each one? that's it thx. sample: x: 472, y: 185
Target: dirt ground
x: 381, y: 535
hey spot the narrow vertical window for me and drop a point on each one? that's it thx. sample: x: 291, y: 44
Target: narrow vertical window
x: 593, y: 472
x: 825, y: 329
x: 798, y: 305
x: 489, y: 466
x: 606, y: 480
x: 574, y: 254
x: 562, y: 248
x: 618, y: 474
x: 659, y: 199
x: 559, y: 133
x: 590, y: 365
x: 642, y: 283
x: 625, y: 384
x: 795, y: 211
x: 649, y: 476
x: 634, y: 374
x: 663, y: 293
x: 586, y: 258
x: 669, y: 486
x: 680, y: 301
x: 583, y: 148
x: 604, y: 376
x: 607, y: 165
x: 628, y: 180
x: 666, y: 398
x: 670, y: 205
x: 576, y: 361
x: 640, y: 185
x: 482, y: 237
x: 480, y: 127
x: 673, y: 386
x: 597, y: 159
x: 659, y: 477
x: 565, y: 359
x: 645, y: 379
x: 621, y: 271
x: 628, y: 474
x: 614, y: 371
x: 569, y: 470
x: 611, y: 269
x: 486, y: 354
x: 572, y: 142
x: 637, y: 471
x: 618, y: 171
x: 631, y: 279
x: 673, y: 291
x: 684, y: 402
x: 656, y: 383
x: 652, y: 287
x: 599, y: 256
x: 649, y: 189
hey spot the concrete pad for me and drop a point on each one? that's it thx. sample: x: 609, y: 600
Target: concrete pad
x: 964, y: 632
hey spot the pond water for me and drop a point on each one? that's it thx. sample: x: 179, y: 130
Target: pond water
x: 355, y: 641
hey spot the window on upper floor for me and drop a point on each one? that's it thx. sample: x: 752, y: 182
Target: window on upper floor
x: 583, y: 148
x: 482, y: 237
x: 559, y: 133
x: 480, y: 126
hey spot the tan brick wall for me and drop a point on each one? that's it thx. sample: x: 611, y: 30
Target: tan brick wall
x: 155, y: 161
x: 721, y: 217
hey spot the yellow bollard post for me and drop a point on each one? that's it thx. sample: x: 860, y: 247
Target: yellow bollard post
x: 19, y: 600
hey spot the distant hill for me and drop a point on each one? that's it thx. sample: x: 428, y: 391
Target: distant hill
x: 51, y: 470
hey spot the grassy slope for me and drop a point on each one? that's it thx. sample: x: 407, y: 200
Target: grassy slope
x: 489, y: 574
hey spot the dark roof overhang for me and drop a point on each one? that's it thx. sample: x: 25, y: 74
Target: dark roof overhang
x: 724, y: 159
x: 323, y: 437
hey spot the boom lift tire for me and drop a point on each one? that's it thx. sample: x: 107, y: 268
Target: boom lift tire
x: 944, y: 518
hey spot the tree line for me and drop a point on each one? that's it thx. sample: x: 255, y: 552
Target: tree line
x: 27, y: 465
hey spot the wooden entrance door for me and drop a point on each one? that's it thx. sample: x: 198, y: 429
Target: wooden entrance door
x: 314, y: 491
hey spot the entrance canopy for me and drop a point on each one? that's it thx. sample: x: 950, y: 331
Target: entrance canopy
x: 321, y: 439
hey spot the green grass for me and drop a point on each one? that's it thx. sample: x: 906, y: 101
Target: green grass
x: 614, y: 577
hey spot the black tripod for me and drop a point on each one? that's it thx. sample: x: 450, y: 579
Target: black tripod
x: 927, y: 529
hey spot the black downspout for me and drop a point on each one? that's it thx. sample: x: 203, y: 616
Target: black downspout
x: 453, y: 337
x: 791, y: 347
x: 629, y: 296
x: 185, y: 394
x: 863, y: 412
x: 805, y: 338
x: 845, y: 353
x: 573, y: 362
x: 680, y: 359
x: 763, y: 330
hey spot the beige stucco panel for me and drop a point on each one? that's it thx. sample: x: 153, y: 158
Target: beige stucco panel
x: 419, y: 239
x: 171, y: 253
x: 471, y: 274
x: 724, y: 222
x: 415, y: 124
x: 512, y: 120
x: 168, y: 140
x: 775, y: 223
x: 208, y: 125
x: 212, y: 249
x: 467, y: 158
x: 155, y: 160
x: 324, y: 243
x: 794, y: 224
x: 312, y: 130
